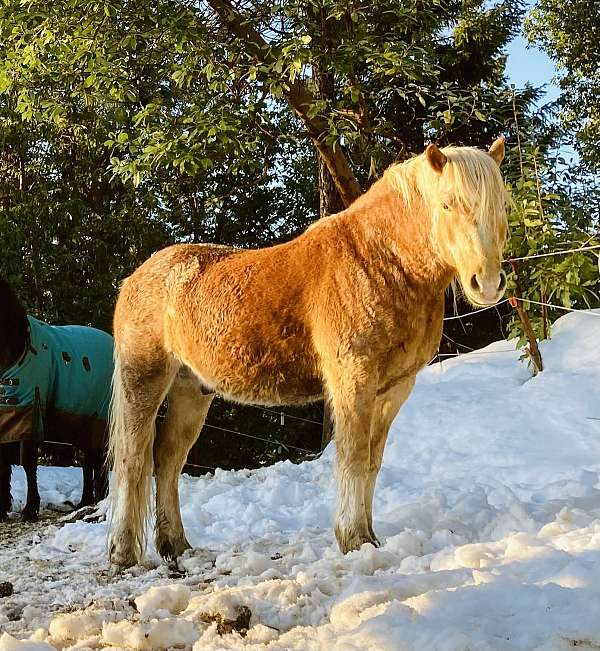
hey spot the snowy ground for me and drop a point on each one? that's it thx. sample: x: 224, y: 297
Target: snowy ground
x: 488, y: 504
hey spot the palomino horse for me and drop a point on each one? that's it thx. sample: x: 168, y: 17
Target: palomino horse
x: 350, y: 310
x: 54, y: 385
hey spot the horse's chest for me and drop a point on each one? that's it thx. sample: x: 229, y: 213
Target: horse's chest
x: 412, y: 341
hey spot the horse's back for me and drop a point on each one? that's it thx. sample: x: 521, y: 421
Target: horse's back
x: 82, y: 370
x: 60, y: 390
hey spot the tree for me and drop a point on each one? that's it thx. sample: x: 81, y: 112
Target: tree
x: 87, y: 113
x: 129, y: 125
x: 569, y: 31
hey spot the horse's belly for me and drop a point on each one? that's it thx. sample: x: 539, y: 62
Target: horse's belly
x: 260, y: 375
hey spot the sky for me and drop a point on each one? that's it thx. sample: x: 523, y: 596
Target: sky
x: 529, y: 64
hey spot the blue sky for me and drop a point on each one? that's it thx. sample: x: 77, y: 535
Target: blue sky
x: 528, y: 64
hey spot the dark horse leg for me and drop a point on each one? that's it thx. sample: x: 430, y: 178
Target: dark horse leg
x: 6, y: 454
x: 95, y: 478
x: 87, y: 494
x: 100, y: 476
x: 29, y: 456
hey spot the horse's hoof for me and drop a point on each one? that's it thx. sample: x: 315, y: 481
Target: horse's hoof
x: 171, y: 550
x: 349, y: 541
x: 115, y: 571
x: 374, y: 540
x: 120, y: 560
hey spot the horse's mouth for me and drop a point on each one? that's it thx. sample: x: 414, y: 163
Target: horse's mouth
x: 480, y: 304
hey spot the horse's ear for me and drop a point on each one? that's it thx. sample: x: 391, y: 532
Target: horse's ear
x: 436, y: 158
x: 497, y: 150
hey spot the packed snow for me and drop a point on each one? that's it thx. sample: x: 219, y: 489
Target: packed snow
x: 488, y: 505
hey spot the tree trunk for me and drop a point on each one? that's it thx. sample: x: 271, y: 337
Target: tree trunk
x: 299, y: 99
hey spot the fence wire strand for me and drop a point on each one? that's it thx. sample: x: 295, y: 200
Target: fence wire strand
x: 258, y: 438
x: 558, y: 307
x: 548, y: 254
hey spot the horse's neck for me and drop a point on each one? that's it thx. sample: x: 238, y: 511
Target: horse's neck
x: 9, y: 358
x: 400, y: 234
x: 14, y: 348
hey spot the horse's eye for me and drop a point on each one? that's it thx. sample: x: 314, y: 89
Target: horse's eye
x: 445, y: 206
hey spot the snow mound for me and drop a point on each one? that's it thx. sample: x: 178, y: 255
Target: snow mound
x: 488, y: 505
x: 162, y: 601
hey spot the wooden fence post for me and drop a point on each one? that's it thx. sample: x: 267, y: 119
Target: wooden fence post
x: 517, y: 303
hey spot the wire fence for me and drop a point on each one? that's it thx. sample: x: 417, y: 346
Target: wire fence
x: 283, y: 414
x: 258, y: 438
x: 469, y: 351
x: 547, y: 254
x: 477, y: 311
x: 558, y: 307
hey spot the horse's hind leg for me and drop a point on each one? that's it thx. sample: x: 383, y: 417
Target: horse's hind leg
x: 87, y: 467
x: 100, y: 475
x: 386, y: 408
x: 95, y: 477
x: 187, y: 411
x: 29, y: 456
x: 5, y: 473
x: 138, y: 390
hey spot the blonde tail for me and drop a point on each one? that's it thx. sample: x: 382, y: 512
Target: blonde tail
x: 131, y: 437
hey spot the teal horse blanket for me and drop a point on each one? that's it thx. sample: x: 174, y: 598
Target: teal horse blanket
x: 60, y: 389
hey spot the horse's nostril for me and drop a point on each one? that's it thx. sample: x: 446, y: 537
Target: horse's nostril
x: 475, y: 283
x: 502, y: 284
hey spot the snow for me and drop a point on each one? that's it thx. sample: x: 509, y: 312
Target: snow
x: 60, y: 486
x: 161, y: 601
x: 488, y: 505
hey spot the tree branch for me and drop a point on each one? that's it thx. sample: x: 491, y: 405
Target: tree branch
x: 299, y: 98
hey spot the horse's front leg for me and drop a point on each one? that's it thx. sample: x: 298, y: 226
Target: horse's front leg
x: 6, y: 450
x: 29, y: 457
x: 386, y: 409
x: 352, y: 395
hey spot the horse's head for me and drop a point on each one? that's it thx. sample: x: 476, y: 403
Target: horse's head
x: 470, y: 226
x: 14, y: 327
